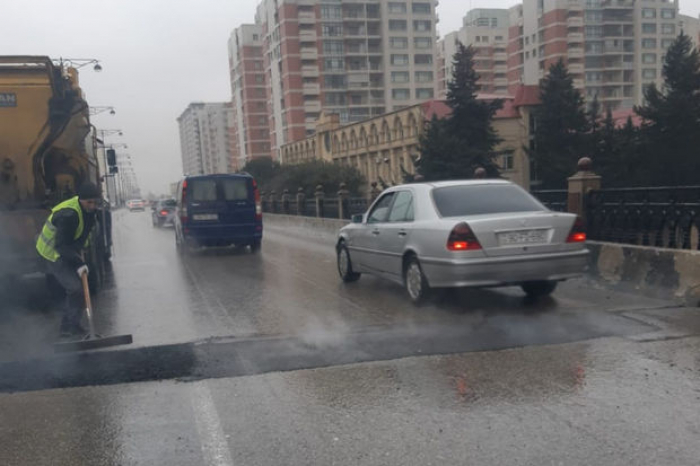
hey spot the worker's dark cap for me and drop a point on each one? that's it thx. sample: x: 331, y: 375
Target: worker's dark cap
x: 89, y: 191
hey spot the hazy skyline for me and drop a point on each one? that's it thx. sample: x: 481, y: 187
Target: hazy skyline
x: 158, y: 56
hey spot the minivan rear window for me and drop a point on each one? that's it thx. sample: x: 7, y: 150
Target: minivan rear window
x: 222, y: 189
x: 459, y: 201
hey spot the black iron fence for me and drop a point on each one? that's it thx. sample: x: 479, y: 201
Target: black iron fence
x: 661, y: 216
x: 553, y: 199
x: 323, y: 207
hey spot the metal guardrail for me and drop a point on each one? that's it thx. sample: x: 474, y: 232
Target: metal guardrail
x: 323, y: 207
x: 666, y: 217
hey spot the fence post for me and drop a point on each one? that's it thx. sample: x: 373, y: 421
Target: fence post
x: 343, y: 201
x: 480, y: 173
x: 374, y: 192
x: 285, y: 201
x: 273, y: 202
x: 319, y: 200
x: 301, y: 201
x: 583, y: 182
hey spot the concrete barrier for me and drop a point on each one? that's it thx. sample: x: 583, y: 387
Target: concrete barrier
x: 657, y: 272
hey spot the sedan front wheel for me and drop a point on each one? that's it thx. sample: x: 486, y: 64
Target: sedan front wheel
x: 345, y: 265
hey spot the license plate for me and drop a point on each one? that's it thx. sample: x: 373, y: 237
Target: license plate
x: 522, y: 237
x: 205, y: 217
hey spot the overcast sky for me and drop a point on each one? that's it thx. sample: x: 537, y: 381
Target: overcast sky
x: 158, y: 56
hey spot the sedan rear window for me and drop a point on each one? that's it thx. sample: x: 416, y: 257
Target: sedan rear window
x: 459, y: 201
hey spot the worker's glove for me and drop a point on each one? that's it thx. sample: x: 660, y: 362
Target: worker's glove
x: 83, y: 270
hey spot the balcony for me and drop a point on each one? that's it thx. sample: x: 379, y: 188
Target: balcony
x: 307, y: 35
x: 309, y: 54
x: 500, y: 82
x: 500, y: 69
x: 578, y: 83
x: 312, y: 106
x: 576, y: 68
x: 575, y: 5
x: 500, y: 56
x: 574, y: 22
x: 312, y: 88
x: 309, y: 72
x: 574, y: 37
x: 576, y: 52
x: 307, y: 18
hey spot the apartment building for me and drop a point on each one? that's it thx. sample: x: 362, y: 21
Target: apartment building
x: 357, y: 59
x: 204, y: 138
x: 250, y: 135
x: 486, y: 30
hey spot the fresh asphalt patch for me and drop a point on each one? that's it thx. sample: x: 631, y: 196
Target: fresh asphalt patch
x: 235, y: 357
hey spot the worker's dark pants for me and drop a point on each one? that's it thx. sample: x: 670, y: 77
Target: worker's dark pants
x: 67, y: 276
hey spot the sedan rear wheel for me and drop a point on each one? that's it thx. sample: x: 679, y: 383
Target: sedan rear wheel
x: 539, y: 288
x: 345, y: 265
x: 415, y: 281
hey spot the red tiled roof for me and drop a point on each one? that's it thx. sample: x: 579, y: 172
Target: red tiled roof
x: 438, y: 108
x: 621, y: 116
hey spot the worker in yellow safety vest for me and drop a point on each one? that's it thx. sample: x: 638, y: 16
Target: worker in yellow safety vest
x: 61, y: 243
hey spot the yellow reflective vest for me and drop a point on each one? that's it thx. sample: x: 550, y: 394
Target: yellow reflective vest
x: 46, y: 244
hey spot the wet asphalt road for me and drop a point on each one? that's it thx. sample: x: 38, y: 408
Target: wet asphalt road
x: 268, y: 359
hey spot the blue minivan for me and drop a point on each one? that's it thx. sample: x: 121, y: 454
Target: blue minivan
x: 218, y: 210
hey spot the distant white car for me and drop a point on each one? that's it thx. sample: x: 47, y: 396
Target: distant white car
x: 478, y: 233
x: 136, y: 204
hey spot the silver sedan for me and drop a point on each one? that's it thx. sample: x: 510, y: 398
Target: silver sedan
x: 480, y: 233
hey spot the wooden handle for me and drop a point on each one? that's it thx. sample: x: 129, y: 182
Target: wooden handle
x: 86, y: 291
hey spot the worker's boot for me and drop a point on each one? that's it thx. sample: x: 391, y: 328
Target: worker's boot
x: 70, y: 326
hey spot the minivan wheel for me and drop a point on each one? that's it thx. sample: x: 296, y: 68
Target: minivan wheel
x: 255, y: 246
x: 345, y: 265
x: 539, y: 288
x: 415, y: 282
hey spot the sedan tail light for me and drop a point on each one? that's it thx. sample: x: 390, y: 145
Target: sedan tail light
x: 163, y: 213
x: 462, y: 238
x: 578, y: 232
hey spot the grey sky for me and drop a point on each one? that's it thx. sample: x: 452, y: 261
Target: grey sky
x: 158, y: 56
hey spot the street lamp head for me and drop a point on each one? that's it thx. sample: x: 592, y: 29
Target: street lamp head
x: 97, y: 67
x: 112, y: 112
x: 121, y: 134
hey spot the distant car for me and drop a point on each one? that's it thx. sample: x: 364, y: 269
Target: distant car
x: 163, y: 212
x: 218, y: 210
x: 136, y: 205
x: 483, y: 233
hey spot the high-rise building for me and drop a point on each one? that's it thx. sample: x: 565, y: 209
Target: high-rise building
x: 612, y: 48
x: 204, y: 138
x: 250, y: 136
x: 356, y: 59
x: 486, y: 31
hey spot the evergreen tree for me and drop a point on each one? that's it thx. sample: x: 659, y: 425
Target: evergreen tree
x: 671, y: 116
x: 455, y: 147
x: 560, y: 132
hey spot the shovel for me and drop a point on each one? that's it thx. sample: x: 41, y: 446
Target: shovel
x: 92, y: 340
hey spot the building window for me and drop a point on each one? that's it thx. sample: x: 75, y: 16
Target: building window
x: 423, y: 59
x: 482, y: 22
x: 421, y: 8
x: 399, y: 42
x: 666, y: 43
x: 397, y: 25
x: 400, y: 77
x: 478, y: 38
x: 534, y: 53
x: 527, y: 55
x: 649, y: 28
x: 399, y: 59
x: 668, y: 14
x: 332, y: 47
x: 259, y: 78
x: 256, y: 37
x: 332, y: 30
x: 333, y: 64
x: 648, y: 58
x: 422, y: 42
x: 335, y: 82
x: 401, y: 94
x: 649, y: 73
x: 397, y: 7
x: 594, y: 31
x: 262, y: 121
x: 331, y: 12
x: 668, y: 29
x: 648, y: 13
x: 508, y: 162
x: 424, y: 76
x: 499, y: 38
x: 424, y: 94
x: 527, y: 40
x: 422, y: 25
x: 484, y: 38
x: 648, y: 43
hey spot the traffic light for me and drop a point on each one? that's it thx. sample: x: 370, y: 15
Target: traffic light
x: 111, y: 157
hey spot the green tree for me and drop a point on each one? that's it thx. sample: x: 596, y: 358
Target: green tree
x: 263, y: 169
x: 454, y: 147
x: 561, y: 128
x: 671, y: 127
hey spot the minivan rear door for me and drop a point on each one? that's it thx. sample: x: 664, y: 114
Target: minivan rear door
x: 238, y: 201
x: 202, y: 198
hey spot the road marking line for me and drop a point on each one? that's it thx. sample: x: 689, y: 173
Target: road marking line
x: 213, y: 442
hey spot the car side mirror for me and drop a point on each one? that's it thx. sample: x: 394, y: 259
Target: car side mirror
x: 357, y: 218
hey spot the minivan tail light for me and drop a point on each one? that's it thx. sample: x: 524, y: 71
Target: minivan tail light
x: 462, y: 238
x: 183, y: 210
x: 258, y: 203
x: 578, y: 232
